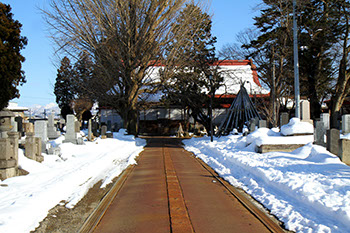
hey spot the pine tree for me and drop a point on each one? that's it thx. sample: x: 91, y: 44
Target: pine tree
x: 317, y: 37
x: 317, y: 31
x: 11, y: 42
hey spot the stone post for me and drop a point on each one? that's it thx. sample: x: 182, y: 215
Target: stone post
x: 252, y: 125
x: 344, y: 151
x: 77, y: 126
x: 40, y: 129
x: 325, y: 119
x: 52, y: 132
x: 30, y: 146
x: 262, y: 124
x: 333, y: 137
x: 284, y: 119
x: 103, y: 131
x: 320, y: 133
x: 345, y: 126
x: 71, y: 135
x: 305, y: 110
x: 89, y: 130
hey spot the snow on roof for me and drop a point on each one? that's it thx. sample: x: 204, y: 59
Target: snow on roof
x: 234, y: 72
x: 12, y: 106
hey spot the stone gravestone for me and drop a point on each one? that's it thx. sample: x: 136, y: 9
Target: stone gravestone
x: 89, y: 130
x: 284, y: 119
x: 262, y: 124
x: 70, y: 135
x: 320, y: 133
x: 305, y: 111
x: 33, y: 147
x: 325, y: 119
x: 77, y: 126
x: 252, y: 125
x: 344, y: 151
x: 345, y: 126
x: 333, y: 137
x: 52, y: 132
x: 103, y: 131
x: 40, y: 129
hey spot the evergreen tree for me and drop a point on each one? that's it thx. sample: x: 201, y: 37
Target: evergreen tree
x: 190, y: 85
x: 318, y: 34
x: 64, y: 88
x: 274, y: 49
x: 11, y: 42
x: 272, y: 52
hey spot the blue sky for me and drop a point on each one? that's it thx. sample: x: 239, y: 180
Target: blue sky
x: 229, y: 18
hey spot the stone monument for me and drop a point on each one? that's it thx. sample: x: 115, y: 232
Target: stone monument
x: 320, y: 133
x: 52, y: 132
x: 325, y: 118
x: 71, y: 135
x: 33, y: 147
x: 333, y: 137
x: 40, y: 129
x: 284, y: 118
x: 345, y: 126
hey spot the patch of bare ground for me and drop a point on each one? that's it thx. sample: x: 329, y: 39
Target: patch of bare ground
x: 61, y: 219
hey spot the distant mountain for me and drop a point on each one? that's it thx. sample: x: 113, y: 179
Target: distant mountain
x: 40, y: 111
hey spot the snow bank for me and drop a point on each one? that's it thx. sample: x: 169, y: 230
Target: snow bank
x: 26, y: 200
x: 295, y: 126
x: 265, y: 136
x: 308, y: 189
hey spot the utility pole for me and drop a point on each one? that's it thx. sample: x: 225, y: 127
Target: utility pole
x: 211, y: 107
x: 296, y: 62
x: 274, y: 112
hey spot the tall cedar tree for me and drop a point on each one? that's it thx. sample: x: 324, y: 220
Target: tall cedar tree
x: 189, y: 86
x: 272, y: 51
x: 64, y: 88
x: 318, y: 34
x: 316, y: 37
x: 82, y: 81
x: 11, y: 42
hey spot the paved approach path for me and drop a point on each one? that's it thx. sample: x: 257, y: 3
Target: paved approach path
x: 169, y: 191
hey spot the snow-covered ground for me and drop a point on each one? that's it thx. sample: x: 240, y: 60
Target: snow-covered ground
x: 65, y: 179
x: 307, y: 189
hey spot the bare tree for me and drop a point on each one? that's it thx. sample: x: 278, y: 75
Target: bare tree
x: 124, y: 39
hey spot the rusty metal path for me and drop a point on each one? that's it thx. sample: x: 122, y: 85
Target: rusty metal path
x: 170, y: 191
